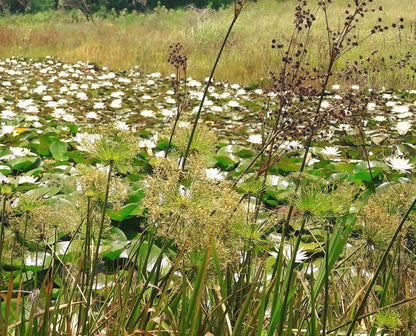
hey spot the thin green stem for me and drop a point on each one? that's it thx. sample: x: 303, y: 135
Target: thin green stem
x: 360, y: 127
x: 97, y: 247
x: 3, y: 211
x: 378, y: 270
x: 290, y: 271
x: 325, y: 313
x: 211, y: 76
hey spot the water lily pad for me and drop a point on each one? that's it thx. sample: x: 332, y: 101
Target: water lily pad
x: 24, y: 163
x: 59, y: 150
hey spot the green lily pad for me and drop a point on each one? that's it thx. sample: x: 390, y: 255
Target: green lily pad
x: 59, y: 150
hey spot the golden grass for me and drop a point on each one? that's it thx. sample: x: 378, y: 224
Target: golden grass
x: 143, y: 40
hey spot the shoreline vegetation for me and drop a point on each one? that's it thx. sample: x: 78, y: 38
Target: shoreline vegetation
x: 142, y: 40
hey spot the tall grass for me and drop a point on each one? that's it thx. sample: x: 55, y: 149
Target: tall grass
x: 142, y: 40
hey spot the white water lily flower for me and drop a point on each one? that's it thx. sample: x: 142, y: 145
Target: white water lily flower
x: 99, y: 105
x: 68, y: 117
x: 403, y: 127
x: 300, y: 254
x: 287, y: 253
x: 371, y: 106
x: 85, y: 138
x: 214, y: 174
x: 345, y: 127
x: 399, y: 163
x: 62, y: 101
x: 20, y: 151
x: 291, y: 145
x: 17, y: 151
x: 233, y: 103
x: 170, y: 100
x: 147, y: 143
x: 168, y: 113
x: 217, y: 109
x: 40, y: 89
x: 24, y: 103
x: 379, y: 118
x: 7, y: 114
x: 155, y: 75
x: 82, y: 96
x: 116, y: 103
x: 400, y: 108
x: 26, y: 179
x: 330, y: 152
x: 121, y: 125
x: 275, y: 180
x: 7, y: 129
x: 335, y: 87
x: 147, y: 114
x: 194, y: 83
x: 117, y: 94
x: 325, y: 104
x: 355, y: 87
x: 124, y: 80
x: 255, y: 138
x: 404, y: 115
x: 51, y: 104
x: 92, y: 115
x: 32, y: 109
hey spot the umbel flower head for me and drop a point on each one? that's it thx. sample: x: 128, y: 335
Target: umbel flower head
x: 110, y: 146
x: 321, y: 199
x: 203, y: 144
x: 41, y: 220
x: 192, y: 210
x: 384, y: 210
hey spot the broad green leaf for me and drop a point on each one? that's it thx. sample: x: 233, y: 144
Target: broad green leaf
x: 59, y: 150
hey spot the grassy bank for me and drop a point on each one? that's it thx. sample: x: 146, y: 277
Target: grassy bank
x: 143, y: 40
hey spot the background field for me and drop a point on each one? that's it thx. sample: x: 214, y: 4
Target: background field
x: 142, y: 40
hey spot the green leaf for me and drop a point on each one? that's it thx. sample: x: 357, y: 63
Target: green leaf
x: 24, y: 163
x: 225, y: 161
x: 123, y: 213
x: 77, y: 156
x: 59, y: 150
x: 115, y: 245
x: 5, y: 169
x: 363, y: 176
